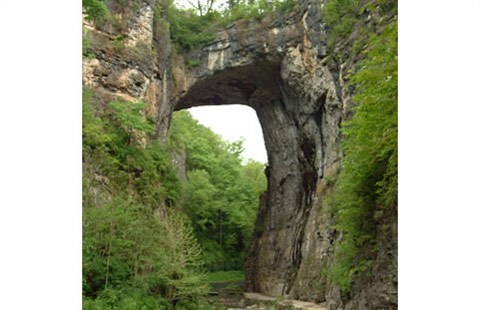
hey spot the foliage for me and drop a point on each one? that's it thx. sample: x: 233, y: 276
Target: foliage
x: 221, y: 194
x: 128, y: 299
x: 192, y: 63
x: 141, y: 225
x: 86, y: 45
x: 96, y: 10
x: 245, y: 9
x: 183, y: 267
x: 134, y: 4
x: 340, y: 15
x: 203, y: 7
x: 343, y: 19
x: 195, y: 26
x: 130, y: 118
x: 188, y: 29
x: 368, y: 181
x: 124, y: 245
x: 132, y: 258
x: 118, y: 44
x: 225, y: 276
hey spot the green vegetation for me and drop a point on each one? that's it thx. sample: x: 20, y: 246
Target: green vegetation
x: 367, y: 186
x: 86, y: 46
x: 340, y: 15
x: 188, y: 29
x: 149, y: 237
x: 96, y: 10
x: 129, y: 251
x: 366, y: 189
x: 141, y: 224
x: 225, y: 276
x: 343, y: 18
x: 101, y: 14
x: 196, y: 26
x: 220, y: 195
x: 245, y: 9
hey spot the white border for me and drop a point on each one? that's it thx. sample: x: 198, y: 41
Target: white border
x: 41, y: 155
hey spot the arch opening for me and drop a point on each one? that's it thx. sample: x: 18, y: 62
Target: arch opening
x: 220, y: 187
x: 234, y: 123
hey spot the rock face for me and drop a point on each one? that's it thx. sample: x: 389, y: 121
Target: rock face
x: 280, y: 67
x: 129, y: 59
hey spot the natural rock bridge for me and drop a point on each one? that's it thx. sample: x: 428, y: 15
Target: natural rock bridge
x: 273, y: 67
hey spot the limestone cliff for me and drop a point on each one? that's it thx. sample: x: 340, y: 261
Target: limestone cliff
x: 282, y: 68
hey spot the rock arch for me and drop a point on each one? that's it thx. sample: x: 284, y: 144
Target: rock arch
x: 278, y: 72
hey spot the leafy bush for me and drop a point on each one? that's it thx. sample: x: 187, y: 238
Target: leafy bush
x: 96, y: 10
x: 246, y: 9
x: 126, y: 299
x: 188, y: 29
x: 86, y: 45
x: 124, y: 244
x: 130, y: 118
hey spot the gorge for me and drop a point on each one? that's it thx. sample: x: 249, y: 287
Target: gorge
x: 285, y: 69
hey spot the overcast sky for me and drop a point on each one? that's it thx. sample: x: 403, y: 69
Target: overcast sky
x: 233, y: 122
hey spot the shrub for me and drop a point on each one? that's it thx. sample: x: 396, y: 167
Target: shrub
x: 96, y: 10
x: 187, y: 29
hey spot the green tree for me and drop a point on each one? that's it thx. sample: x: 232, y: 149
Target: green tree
x: 202, y: 7
x: 221, y: 195
x: 136, y: 255
x: 130, y: 118
x: 96, y: 10
x: 183, y: 268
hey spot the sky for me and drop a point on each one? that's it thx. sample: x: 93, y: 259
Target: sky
x: 233, y: 122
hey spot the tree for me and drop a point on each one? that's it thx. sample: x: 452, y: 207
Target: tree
x: 95, y: 10
x: 131, y: 258
x: 203, y: 7
x: 130, y: 118
x: 221, y: 195
x: 183, y: 268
